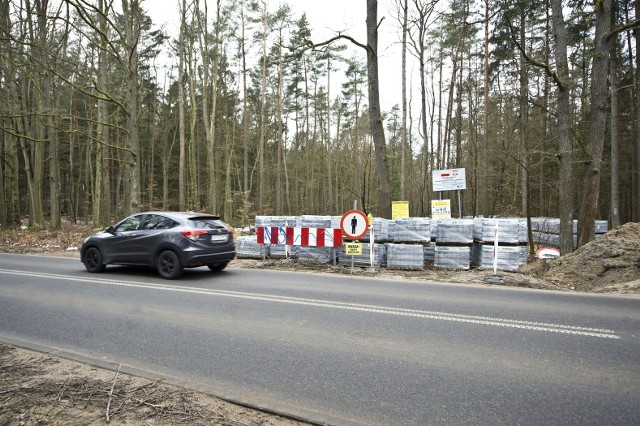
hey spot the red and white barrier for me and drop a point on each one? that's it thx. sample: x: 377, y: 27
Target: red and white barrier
x: 314, y: 237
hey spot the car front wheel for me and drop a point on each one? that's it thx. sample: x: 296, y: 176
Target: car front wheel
x: 217, y: 267
x: 93, y: 260
x: 168, y: 265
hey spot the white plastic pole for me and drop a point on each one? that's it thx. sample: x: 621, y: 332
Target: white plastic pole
x: 372, y: 245
x: 286, y: 247
x: 495, y: 251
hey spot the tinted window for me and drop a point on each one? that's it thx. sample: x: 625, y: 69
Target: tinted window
x: 207, y: 223
x: 129, y: 224
x: 156, y: 221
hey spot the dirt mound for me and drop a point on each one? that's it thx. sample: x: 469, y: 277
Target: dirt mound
x: 599, y: 266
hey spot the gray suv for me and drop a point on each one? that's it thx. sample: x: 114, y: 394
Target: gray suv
x: 167, y: 241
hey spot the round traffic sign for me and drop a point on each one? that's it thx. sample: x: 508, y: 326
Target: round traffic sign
x: 354, y: 224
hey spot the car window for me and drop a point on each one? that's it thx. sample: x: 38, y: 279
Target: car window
x: 129, y: 224
x: 156, y: 221
x: 207, y: 223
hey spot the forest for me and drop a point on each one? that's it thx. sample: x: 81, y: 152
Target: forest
x: 538, y: 101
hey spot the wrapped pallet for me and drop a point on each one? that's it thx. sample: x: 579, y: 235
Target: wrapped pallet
x: 429, y: 254
x: 405, y: 256
x: 509, y: 258
x: 247, y: 247
x: 510, y: 230
x: 279, y: 221
x: 380, y: 229
x: 452, y: 257
x: 315, y: 254
x: 455, y: 231
x: 412, y: 230
x: 310, y: 221
x: 278, y: 251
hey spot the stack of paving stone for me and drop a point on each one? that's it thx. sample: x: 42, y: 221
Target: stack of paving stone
x: 311, y: 221
x: 546, y: 231
x: 364, y: 259
x: 247, y: 247
x: 455, y: 232
x: 279, y: 221
x: 380, y: 231
x: 510, y: 230
x: 454, y: 238
x: 512, y: 243
x: 412, y: 230
x: 452, y: 257
x: 509, y: 258
x: 405, y: 256
x: 315, y: 254
x: 429, y: 254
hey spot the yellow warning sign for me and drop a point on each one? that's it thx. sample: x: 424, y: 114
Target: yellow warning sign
x: 353, y: 249
x: 399, y: 209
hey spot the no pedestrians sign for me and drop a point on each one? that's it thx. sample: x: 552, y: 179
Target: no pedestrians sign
x: 354, y: 224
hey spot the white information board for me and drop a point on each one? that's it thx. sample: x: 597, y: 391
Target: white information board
x: 449, y: 180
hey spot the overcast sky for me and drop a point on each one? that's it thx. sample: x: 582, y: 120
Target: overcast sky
x: 326, y: 18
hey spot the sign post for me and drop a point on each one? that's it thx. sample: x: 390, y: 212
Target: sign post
x: 354, y: 225
x: 450, y: 180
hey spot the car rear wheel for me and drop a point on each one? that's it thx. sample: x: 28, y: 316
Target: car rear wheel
x: 217, y: 267
x: 93, y: 260
x: 168, y: 265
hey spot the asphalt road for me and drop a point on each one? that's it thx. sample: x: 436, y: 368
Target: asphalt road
x: 338, y: 349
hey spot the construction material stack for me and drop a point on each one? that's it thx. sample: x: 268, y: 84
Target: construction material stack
x: 454, y: 238
x: 511, y: 249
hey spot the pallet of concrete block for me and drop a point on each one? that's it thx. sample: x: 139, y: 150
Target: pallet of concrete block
x: 281, y: 251
x: 455, y: 231
x: 452, y: 257
x: 509, y: 258
x: 510, y: 230
x: 279, y: 221
x: 429, y: 254
x: 380, y: 231
x: 364, y: 259
x: 315, y: 254
x: 546, y: 225
x: 601, y: 227
x: 312, y: 221
x: 405, y: 256
x: 412, y: 230
x: 247, y: 247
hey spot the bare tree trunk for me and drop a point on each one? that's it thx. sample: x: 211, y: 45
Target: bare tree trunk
x: 375, y: 115
x: 263, y: 117
x: 280, y: 131
x: 132, y: 12
x: 485, y: 151
x: 403, y: 128
x: 181, y: 106
x: 245, y: 121
x: 599, y: 112
x: 615, y: 177
x: 565, y: 154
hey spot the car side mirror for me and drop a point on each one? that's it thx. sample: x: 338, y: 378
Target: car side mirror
x: 109, y: 230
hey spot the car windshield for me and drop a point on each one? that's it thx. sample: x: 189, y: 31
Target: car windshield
x: 207, y: 223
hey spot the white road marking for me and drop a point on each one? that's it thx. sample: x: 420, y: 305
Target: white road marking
x: 444, y: 316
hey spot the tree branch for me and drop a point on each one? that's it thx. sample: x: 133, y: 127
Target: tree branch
x: 311, y: 45
x: 547, y: 69
x: 626, y: 27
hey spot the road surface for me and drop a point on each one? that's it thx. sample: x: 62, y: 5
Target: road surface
x: 338, y: 349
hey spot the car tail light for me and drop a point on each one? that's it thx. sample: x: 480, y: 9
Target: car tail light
x: 194, y: 234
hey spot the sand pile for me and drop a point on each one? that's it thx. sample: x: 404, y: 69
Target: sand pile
x: 609, y: 263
